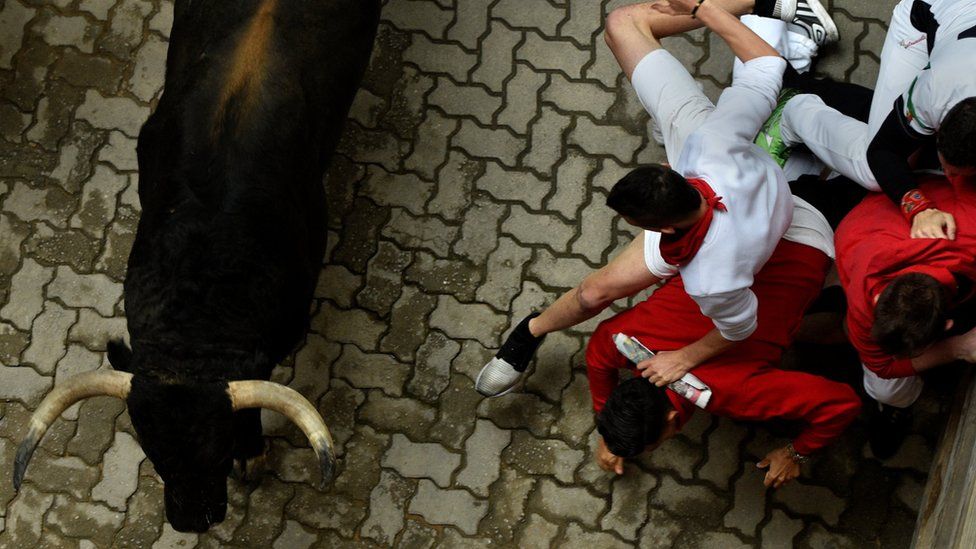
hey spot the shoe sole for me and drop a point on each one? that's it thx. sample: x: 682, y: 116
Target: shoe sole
x: 828, y: 23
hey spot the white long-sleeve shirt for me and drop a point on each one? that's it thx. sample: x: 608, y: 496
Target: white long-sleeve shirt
x: 755, y: 192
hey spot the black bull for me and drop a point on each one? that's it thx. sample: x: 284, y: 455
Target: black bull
x: 231, y: 238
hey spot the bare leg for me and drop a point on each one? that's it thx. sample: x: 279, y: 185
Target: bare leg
x: 624, y: 276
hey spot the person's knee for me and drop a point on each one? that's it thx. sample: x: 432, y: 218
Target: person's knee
x: 619, y: 23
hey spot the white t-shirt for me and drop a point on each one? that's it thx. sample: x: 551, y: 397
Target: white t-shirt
x: 754, y: 190
x: 950, y: 75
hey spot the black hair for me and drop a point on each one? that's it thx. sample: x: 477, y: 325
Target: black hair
x: 910, y: 315
x: 633, y: 417
x: 956, y: 138
x: 654, y: 196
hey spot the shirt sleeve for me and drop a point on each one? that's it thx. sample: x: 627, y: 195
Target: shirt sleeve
x: 888, y: 153
x: 733, y: 313
x: 653, y: 258
x: 745, y: 105
x: 916, y: 105
x: 754, y: 390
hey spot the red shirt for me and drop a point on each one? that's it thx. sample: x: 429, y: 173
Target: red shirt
x: 745, y: 382
x: 874, y: 247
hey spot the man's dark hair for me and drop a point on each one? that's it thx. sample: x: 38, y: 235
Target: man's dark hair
x: 956, y: 138
x: 633, y: 417
x: 910, y: 315
x: 654, y: 196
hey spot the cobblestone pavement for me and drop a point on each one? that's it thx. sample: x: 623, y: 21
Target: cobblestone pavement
x: 470, y: 183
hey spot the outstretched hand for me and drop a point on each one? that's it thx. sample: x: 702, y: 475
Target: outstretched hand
x: 782, y: 468
x: 934, y: 223
x: 607, y: 460
x: 674, y: 7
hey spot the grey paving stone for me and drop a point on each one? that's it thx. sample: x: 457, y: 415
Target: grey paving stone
x: 543, y: 457
x: 338, y: 284
x: 406, y: 333
x: 384, y: 279
x: 491, y: 143
x: 119, y: 151
x: 407, y: 104
x: 456, y: 182
x: 412, y: 417
x: 120, y: 472
x: 723, y: 453
x: 805, y: 499
x: 47, y: 344
x: 435, y: 57
x: 26, y: 298
x: 63, y: 474
x: 542, y: 16
x: 503, y: 274
x: 454, y: 507
x: 432, y: 370
x: 571, y: 188
x: 21, y: 527
x: 294, y: 536
x: 521, y: 98
x: 387, y: 504
x: 748, y: 503
x: 576, y: 537
x: 147, y: 79
x: 444, y: 276
x: 421, y: 460
x: 354, y: 326
x: 171, y: 539
x: 479, y: 230
x: 818, y: 536
x: 576, y: 419
x: 780, y: 531
x: 513, y: 185
x: 427, y: 233
x: 497, y: 52
x: 482, y: 452
x: 461, y: 100
x: 914, y: 453
x: 417, y: 536
x: 910, y: 493
x: 554, y: 366
x: 546, y: 142
x: 371, y: 370
x: 584, y: 19
x: 80, y: 519
x: 470, y: 23
x: 467, y: 320
x: 710, y: 540
x: 12, y: 21
x: 604, y: 140
x: 572, y: 503
x: 111, y: 113
x: 508, y: 501
x: 691, y: 501
x: 537, y: 533
x: 660, y: 529
x: 458, y: 405
x: 417, y: 15
x: 519, y: 411
x: 524, y: 225
x: 61, y: 30
x: 628, y: 510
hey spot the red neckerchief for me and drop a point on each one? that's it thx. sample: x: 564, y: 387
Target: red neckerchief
x: 678, y: 249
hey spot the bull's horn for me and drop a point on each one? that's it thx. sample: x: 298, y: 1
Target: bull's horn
x: 290, y: 403
x: 89, y: 384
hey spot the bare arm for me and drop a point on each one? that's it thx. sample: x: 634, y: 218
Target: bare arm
x: 634, y: 31
x: 745, y: 44
x: 668, y: 366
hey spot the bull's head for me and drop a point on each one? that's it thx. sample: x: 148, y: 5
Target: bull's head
x: 193, y: 465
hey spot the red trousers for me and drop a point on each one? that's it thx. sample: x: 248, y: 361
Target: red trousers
x: 745, y: 381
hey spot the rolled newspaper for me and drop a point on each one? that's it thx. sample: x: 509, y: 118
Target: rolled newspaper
x: 688, y: 386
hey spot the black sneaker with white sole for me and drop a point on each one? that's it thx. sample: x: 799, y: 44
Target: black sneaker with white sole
x: 812, y: 19
x: 503, y: 372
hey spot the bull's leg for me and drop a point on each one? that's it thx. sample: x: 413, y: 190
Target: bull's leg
x: 250, y: 452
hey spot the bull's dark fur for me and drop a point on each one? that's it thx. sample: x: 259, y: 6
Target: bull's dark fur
x: 232, y: 234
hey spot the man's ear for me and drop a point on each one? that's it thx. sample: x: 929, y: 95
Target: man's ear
x: 119, y: 355
x: 949, y: 324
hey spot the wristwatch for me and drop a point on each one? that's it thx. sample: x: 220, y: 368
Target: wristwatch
x: 796, y: 456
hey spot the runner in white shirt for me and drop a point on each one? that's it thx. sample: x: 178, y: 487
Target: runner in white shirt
x: 926, y: 92
x: 716, y: 220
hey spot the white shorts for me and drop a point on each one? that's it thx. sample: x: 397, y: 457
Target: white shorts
x: 672, y: 97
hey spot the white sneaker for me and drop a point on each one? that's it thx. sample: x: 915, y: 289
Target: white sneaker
x: 812, y: 19
x: 497, y: 378
x: 784, y: 10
